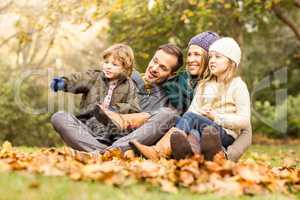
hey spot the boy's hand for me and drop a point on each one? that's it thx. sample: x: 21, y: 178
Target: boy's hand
x: 57, y: 84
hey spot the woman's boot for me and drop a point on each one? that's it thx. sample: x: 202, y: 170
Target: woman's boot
x: 161, y: 149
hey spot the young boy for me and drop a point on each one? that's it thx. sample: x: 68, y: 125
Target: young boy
x: 110, y: 87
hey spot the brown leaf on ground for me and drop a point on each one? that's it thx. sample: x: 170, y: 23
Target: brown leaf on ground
x: 168, y: 186
x: 186, y: 178
x: 250, y: 177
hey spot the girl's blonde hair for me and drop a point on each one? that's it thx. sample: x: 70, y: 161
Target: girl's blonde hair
x: 230, y: 73
x: 124, y: 54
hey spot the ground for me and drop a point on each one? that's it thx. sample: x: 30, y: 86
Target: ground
x: 20, y: 185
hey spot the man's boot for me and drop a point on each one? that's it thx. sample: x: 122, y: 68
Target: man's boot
x: 121, y: 121
x: 183, y: 145
x: 161, y: 149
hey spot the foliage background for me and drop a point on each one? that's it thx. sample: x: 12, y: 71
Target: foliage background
x: 58, y: 37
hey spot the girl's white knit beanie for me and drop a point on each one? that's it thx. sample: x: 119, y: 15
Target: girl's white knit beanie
x: 228, y: 47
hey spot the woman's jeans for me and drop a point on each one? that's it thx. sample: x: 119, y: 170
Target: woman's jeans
x: 192, y: 121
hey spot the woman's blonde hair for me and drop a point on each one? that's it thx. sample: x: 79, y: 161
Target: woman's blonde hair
x: 204, y: 64
x: 124, y: 54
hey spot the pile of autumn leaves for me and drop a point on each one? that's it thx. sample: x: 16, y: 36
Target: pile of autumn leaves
x: 219, y: 176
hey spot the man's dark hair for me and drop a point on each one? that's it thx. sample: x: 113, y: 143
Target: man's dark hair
x: 174, y: 50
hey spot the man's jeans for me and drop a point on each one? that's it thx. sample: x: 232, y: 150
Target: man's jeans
x: 80, y: 137
x: 192, y: 121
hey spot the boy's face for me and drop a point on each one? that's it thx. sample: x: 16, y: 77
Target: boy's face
x: 112, y: 68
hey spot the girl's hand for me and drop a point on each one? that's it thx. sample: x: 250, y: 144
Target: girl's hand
x: 209, y: 113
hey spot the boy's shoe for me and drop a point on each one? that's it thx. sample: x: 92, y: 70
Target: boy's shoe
x: 121, y: 121
x: 101, y: 116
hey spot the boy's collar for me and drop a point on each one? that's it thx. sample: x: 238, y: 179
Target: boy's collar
x: 121, y: 78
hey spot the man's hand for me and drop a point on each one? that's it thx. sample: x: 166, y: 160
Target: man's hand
x: 57, y: 84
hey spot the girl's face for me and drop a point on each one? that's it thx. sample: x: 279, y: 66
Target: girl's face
x: 195, y: 59
x: 112, y: 68
x: 217, y: 63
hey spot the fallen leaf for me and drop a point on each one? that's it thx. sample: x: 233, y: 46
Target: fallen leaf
x: 168, y: 186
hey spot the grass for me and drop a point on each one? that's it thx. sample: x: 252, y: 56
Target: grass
x: 275, y: 155
x: 22, y: 185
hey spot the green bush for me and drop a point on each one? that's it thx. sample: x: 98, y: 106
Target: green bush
x: 265, y: 120
x: 17, y: 126
x: 294, y: 116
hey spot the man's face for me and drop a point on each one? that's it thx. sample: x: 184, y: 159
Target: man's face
x: 160, y: 67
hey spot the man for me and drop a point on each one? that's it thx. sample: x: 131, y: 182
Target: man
x: 155, y: 116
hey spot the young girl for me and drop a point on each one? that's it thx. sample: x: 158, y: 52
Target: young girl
x: 221, y: 101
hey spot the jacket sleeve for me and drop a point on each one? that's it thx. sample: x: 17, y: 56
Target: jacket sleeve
x: 240, y: 145
x: 240, y: 119
x: 132, y: 101
x: 171, y: 89
x: 80, y: 82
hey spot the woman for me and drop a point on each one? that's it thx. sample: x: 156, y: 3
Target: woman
x: 180, y: 89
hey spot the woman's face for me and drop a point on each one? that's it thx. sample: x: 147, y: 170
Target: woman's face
x: 195, y: 57
x: 217, y: 63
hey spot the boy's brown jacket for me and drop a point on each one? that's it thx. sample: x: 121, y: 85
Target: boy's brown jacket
x: 93, y: 86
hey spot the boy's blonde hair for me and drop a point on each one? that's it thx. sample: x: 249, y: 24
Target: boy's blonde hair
x: 122, y: 53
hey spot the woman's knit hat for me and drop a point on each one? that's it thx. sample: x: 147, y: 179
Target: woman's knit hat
x: 204, y: 40
x: 228, y: 47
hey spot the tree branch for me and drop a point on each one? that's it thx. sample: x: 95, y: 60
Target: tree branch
x: 50, y: 44
x: 297, y: 3
x: 6, y: 6
x: 8, y: 39
x: 285, y: 19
